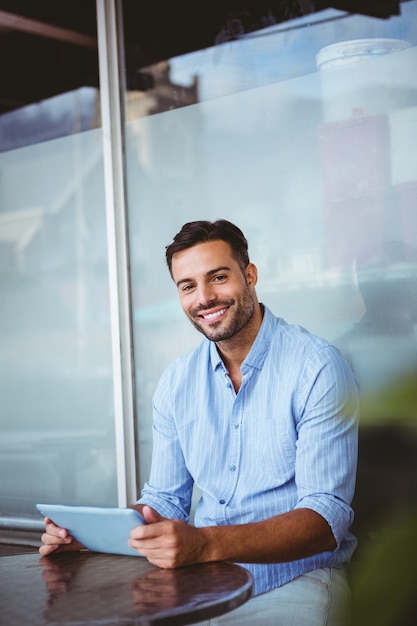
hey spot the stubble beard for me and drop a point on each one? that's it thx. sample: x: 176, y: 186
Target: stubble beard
x: 243, y: 313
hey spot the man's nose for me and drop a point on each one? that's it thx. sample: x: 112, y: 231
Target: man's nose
x: 205, y: 294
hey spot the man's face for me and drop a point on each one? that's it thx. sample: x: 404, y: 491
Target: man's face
x: 215, y: 293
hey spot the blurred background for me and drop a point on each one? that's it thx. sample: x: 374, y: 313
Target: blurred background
x: 119, y: 122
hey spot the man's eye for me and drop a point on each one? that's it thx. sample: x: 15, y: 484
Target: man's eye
x: 187, y: 287
x: 220, y: 278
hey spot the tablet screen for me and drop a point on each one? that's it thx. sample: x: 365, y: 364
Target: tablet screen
x: 101, y: 529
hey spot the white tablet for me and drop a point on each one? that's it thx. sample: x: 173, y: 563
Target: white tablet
x: 101, y: 529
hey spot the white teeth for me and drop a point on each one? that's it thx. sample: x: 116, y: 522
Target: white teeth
x: 211, y: 316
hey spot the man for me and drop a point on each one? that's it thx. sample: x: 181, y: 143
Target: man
x: 262, y: 417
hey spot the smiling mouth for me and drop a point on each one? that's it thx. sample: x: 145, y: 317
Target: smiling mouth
x: 213, y: 316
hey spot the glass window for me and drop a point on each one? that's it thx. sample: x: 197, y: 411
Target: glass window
x: 300, y: 126
x: 57, y: 421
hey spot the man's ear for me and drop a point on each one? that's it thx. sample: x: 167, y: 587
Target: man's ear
x: 251, y: 273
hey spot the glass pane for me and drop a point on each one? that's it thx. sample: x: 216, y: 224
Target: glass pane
x: 57, y: 422
x: 305, y: 138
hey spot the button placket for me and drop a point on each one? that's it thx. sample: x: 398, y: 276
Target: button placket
x: 231, y: 475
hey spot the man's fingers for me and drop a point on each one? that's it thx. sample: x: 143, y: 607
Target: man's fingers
x: 54, y: 538
x: 54, y: 530
x: 47, y: 550
x: 150, y: 515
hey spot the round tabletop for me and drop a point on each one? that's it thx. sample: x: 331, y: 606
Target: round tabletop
x: 87, y: 587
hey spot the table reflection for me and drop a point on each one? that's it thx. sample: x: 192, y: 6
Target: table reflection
x: 85, y: 587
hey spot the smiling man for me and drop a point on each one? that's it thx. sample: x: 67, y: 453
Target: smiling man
x: 219, y: 300
x: 262, y: 417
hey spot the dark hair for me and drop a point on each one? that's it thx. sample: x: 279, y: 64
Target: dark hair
x: 197, y: 232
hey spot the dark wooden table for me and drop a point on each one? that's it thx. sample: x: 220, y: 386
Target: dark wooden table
x: 82, y: 588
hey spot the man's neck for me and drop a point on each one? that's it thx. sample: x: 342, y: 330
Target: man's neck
x: 234, y: 351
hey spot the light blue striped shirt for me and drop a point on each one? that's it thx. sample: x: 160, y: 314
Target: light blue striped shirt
x: 286, y: 440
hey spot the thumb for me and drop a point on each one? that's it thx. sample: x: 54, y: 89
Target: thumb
x: 150, y: 515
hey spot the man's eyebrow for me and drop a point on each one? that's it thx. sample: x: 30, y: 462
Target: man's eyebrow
x: 222, y: 268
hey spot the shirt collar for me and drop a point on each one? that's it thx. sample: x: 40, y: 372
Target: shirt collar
x: 259, y: 349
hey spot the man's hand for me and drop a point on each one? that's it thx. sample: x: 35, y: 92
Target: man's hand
x: 289, y: 536
x: 57, y: 539
x: 168, y: 543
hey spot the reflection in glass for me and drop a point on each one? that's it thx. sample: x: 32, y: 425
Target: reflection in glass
x: 315, y: 164
x: 56, y: 424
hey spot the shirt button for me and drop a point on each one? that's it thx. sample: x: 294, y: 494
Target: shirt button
x: 221, y: 501
x: 235, y: 426
x: 232, y: 468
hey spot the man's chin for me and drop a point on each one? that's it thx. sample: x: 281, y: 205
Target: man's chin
x: 210, y: 331
x: 216, y: 335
